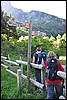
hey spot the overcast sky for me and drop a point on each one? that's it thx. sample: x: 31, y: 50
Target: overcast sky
x: 57, y: 8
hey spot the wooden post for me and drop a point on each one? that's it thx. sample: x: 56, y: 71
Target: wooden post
x: 43, y: 75
x: 21, y: 66
x: 19, y: 80
x: 20, y: 58
x: 8, y: 58
x: 42, y: 78
x: 29, y: 55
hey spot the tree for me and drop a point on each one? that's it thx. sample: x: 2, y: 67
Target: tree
x: 10, y: 31
x: 63, y: 41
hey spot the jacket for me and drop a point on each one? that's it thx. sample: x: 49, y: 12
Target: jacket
x: 60, y: 68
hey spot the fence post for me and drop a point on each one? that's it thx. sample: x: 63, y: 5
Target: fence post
x: 42, y: 73
x: 42, y: 78
x: 2, y: 60
x: 19, y: 80
x: 29, y: 56
x: 21, y: 66
x: 8, y: 58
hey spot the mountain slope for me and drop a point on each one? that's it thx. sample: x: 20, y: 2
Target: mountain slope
x: 41, y: 21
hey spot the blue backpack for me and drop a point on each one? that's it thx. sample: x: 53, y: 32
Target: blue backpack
x: 44, y: 56
x: 40, y: 56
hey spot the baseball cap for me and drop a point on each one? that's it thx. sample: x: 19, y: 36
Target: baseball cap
x: 38, y: 48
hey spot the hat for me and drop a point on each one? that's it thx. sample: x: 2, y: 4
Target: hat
x: 38, y: 48
x: 51, y: 54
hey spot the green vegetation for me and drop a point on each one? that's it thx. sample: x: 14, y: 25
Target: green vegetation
x: 17, y: 47
x: 9, y: 88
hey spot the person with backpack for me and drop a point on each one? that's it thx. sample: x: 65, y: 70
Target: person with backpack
x: 52, y: 65
x: 37, y: 59
x: 57, y: 55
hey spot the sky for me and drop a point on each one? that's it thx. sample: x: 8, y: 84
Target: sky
x: 57, y: 8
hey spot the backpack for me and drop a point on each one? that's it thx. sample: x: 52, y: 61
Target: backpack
x: 39, y: 58
x: 52, y: 68
x: 44, y: 56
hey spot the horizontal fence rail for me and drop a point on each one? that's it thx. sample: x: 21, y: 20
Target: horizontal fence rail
x: 33, y: 81
x: 32, y: 64
x: 4, y: 65
x: 61, y: 74
x: 11, y: 72
x: 21, y: 62
x: 2, y: 57
x: 11, y: 62
x: 37, y: 83
x: 37, y: 66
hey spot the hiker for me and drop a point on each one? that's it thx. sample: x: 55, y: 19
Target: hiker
x: 37, y: 72
x: 37, y: 59
x: 57, y: 56
x: 52, y: 80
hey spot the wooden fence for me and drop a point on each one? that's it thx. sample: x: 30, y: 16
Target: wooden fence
x: 20, y: 74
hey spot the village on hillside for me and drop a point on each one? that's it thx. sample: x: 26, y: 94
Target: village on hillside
x: 26, y: 25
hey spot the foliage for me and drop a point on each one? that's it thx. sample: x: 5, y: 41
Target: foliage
x: 5, y: 28
x: 19, y: 47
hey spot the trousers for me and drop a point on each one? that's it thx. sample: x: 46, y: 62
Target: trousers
x: 37, y: 73
x: 50, y: 90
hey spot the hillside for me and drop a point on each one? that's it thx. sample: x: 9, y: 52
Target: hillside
x: 50, y: 24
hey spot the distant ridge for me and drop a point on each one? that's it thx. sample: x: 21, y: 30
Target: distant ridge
x: 41, y: 21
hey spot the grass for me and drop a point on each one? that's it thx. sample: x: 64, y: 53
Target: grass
x: 9, y: 88
x: 8, y: 84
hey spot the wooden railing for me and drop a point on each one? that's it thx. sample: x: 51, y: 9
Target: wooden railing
x: 20, y: 74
